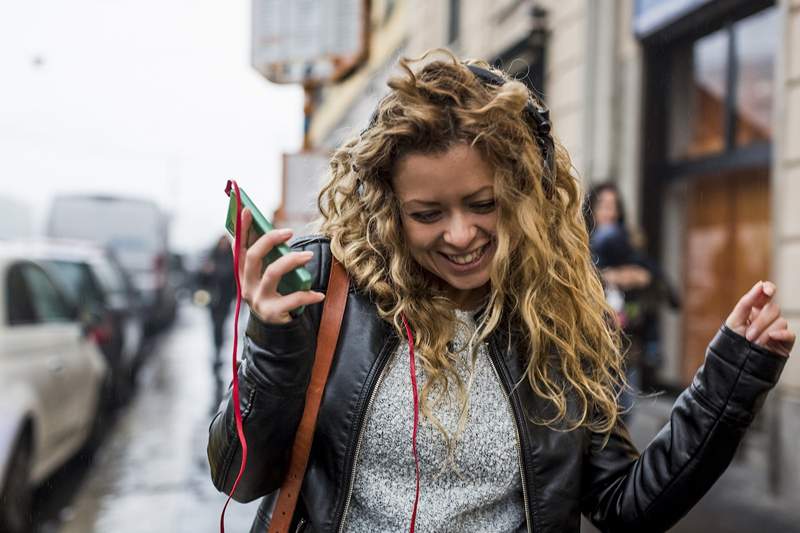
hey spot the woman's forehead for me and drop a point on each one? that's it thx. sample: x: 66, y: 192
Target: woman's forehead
x: 458, y: 172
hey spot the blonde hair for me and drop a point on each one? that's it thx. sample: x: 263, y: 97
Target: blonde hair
x: 542, y: 278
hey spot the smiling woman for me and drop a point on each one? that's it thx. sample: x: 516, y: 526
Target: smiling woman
x: 457, y: 218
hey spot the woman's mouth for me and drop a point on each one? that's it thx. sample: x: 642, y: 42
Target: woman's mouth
x: 467, y: 260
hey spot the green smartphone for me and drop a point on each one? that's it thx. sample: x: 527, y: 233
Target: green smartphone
x: 298, y: 279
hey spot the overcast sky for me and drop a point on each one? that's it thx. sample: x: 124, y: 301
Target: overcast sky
x: 151, y: 98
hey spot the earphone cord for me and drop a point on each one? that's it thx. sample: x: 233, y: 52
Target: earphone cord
x: 237, y: 410
x: 413, y: 371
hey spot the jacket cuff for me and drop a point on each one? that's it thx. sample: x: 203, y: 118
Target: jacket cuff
x: 278, y: 357
x: 279, y: 337
x: 736, y: 376
x: 754, y: 359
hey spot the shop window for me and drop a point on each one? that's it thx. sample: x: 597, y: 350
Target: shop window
x: 721, y: 88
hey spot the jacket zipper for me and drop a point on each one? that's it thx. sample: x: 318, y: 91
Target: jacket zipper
x: 522, y: 470
x: 300, y: 526
x: 360, y: 431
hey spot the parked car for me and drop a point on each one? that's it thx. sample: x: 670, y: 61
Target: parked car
x: 137, y: 231
x: 52, y: 375
x: 100, y: 289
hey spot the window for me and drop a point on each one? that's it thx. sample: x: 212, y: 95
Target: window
x: 110, y: 278
x: 19, y: 304
x: 721, y: 91
x: 755, y: 43
x: 47, y: 301
x: 77, y: 282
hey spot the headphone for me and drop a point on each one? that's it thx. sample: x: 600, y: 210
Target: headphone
x: 536, y: 114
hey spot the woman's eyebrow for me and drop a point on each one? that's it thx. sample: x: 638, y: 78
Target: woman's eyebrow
x: 431, y: 202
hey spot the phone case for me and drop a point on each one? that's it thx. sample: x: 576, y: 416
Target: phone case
x: 298, y: 279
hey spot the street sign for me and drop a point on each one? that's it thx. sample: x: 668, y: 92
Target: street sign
x: 309, y: 41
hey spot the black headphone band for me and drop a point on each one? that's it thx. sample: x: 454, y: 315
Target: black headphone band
x: 537, y: 116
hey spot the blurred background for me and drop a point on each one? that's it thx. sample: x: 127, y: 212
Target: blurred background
x: 121, y: 121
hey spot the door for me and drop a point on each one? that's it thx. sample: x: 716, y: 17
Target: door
x: 62, y: 341
x: 727, y: 249
x: 33, y: 359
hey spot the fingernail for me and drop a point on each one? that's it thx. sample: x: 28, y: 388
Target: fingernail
x: 308, y: 254
x: 769, y: 289
x: 749, y: 334
x: 285, y: 231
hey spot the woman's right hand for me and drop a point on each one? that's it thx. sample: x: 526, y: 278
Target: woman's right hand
x: 260, y: 291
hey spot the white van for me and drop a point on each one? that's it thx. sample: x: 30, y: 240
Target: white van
x: 136, y: 230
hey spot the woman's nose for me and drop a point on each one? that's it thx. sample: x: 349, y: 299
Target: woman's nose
x: 460, y: 232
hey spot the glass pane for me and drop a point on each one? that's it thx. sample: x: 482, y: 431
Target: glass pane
x: 110, y: 278
x: 19, y: 303
x: 709, y: 61
x: 46, y: 299
x: 697, y: 97
x: 77, y: 282
x: 755, y: 55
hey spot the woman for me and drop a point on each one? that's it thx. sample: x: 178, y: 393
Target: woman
x: 451, y: 214
x: 635, y: 288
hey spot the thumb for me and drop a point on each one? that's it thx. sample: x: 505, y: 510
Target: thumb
x: 757, y: 297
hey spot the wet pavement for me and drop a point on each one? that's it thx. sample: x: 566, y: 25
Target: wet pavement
x: 150, y: 473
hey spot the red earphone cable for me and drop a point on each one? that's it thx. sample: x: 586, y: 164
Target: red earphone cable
x: 413, y: 369
x: 237, y: 410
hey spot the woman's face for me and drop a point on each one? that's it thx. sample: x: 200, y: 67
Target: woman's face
x: 605, y: 209
x: 449, y: 218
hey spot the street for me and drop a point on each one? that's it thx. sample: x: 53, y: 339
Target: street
x: 150, y: 474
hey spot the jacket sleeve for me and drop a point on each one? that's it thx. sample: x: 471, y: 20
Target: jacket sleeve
x: 627, y: 492
x: 273, y: 376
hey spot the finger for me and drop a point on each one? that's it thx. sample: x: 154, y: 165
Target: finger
x: 778, y: 324
x: 753, y: 313
x: 758, y: 296
x: 276, y: 311
x: 767, y: 316
x: 256, y: 253
x: 276, y: 270
x: 300, y: 298
x: 781, y: 341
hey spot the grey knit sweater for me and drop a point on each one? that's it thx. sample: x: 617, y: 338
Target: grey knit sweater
x: 476, y: 488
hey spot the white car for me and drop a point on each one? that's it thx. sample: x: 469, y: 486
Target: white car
x: 52, y: 378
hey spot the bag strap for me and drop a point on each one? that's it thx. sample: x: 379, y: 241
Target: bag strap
x: 332, y: 313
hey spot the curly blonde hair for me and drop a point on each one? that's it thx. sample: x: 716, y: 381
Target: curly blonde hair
x: 542, y: 277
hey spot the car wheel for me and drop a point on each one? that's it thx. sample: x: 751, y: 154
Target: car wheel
x: 15, y: 501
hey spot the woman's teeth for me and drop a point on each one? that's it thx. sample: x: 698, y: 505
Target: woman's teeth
x: 467, y: 258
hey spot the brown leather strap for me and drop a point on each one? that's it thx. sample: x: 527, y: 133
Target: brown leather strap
x: 332, y: 313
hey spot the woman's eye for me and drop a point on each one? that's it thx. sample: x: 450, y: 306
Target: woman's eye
x: 484, y: 207
x: 425, y: 216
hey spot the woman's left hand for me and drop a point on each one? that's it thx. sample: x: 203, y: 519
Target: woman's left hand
x: 758, y: 318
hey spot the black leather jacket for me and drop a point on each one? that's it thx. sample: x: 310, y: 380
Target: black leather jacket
x: 564, y: 473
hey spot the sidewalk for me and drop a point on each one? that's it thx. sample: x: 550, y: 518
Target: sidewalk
x: 740, y: 501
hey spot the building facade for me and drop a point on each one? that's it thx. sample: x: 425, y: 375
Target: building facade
x: 691, y: 107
